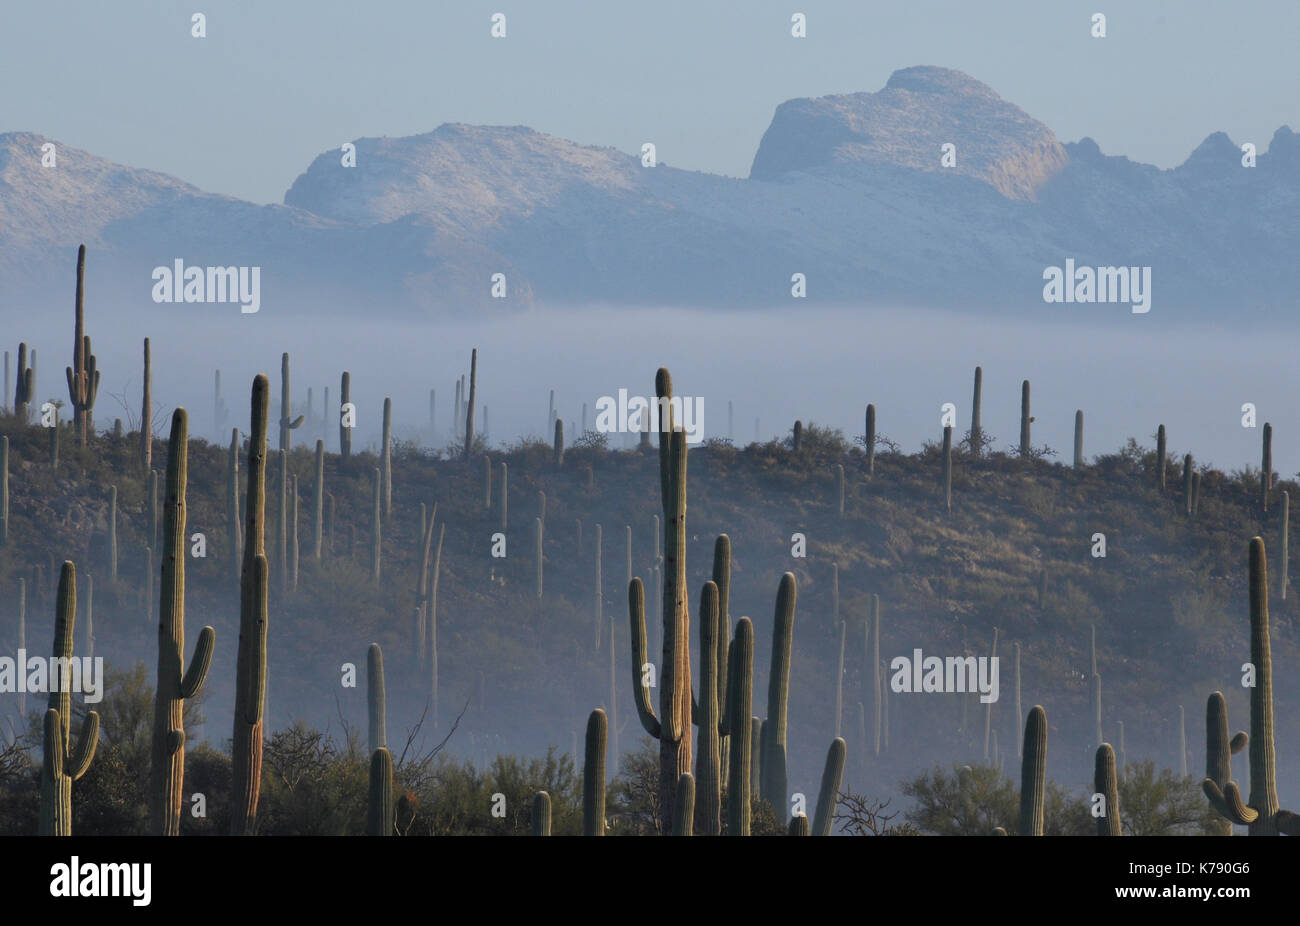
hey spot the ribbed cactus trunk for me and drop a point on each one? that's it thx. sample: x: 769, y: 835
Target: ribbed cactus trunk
x: 1078, y: 439
x: 797, y: 440
x: 292, y: 551
x: 112, y: 533
x: 828, y: 794
x: 380, y: 809
x: 1106, y: 783
x: 1266, y: 467
x: 250, y: 675
x: 432, y: 624
x: 151, y: 496
x: 146, y: 414
x: 775, y: 790
x: 869, y: 439
x: 838, y: 717
x: 233, y: 528
x: 1263, y: 756
x: 947, y: 469
x: 1033, y: 773
x: 675, y: 675
x: 376, y: 530
x: 558, y: 446
x: 63, y: 765
x: 877, y: 683
x: 976, y: 432
x: 282, y: 524
x: 83, y: 377
x: 708, y: 758
x: 722, y: 579
x: 740, y: 692
x: 839, y: 477
x: 1219, y: 750
x: 988, y: 708
x: 613, y: 703
x: 386, y: 457
x: 175, y: 684
x: 318, y: 503
x: 1096, y: 708
x: 376, y: 700
x: 541, y: 820
x: 25, y: 386
x: 1187, y: 485
x: 1020, y: 715
x: 1161, y: 451
x: 684, y: 810
x: 469, y: 412
x: 1025, y: 419
x: 288, y: 424
x: 593, y: 776
x: 345, y: 428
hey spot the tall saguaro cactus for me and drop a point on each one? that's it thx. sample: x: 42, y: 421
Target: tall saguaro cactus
x: 1106, y: 783
x: 64, y: 765
x: 376, y: 700
x: 1219, y: 750
x: 828, y: 795
x: 386, y: 457
x: 233, y: 527
x: 708, y: 773
x: 947, y: 469
x: 376, y: 531
x: 288, y: 424
x: 976, y: 433
x: 740, y: 727
x: 345, y: 426
x: 1261, y: 813
x: 1025, y: 419
x: 1033, y: 773
x: 380, y: 809
x: 175, y: 683
x: 1078, y: 439
x: 146, y: 414
x: 672, y: 726
x: 778, y: 699
x: 469, y: 411
x: 318, y: 503
x: 869, y: 439
x: 1266, y: 467
x: 4, y: 491
x: 83, y: 375
x: 593, y: 776
x: 25, y: 386
x: 1162, y: 444
x: 250, y: 673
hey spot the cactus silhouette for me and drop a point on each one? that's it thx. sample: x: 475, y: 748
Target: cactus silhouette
x: 288, y: 424
x: 1033, y: 773
x: 376, y: 701
x: 83, y: 375
x: 541, y: 814
x: 1219, y: 750
x: 593, y: 776
x: 380, y: 810
x: 828, y: 796
x: 1105, y: 783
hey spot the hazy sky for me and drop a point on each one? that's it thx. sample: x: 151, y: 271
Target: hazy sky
x: 244, y: 110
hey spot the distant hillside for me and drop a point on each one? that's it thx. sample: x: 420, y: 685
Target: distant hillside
x: 850, y: 190
x: 1168, y: 601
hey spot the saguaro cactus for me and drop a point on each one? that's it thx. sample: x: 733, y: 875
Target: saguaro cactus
x: 947, y: 469
x: 598, y: 598
x: 1219, y: 750
x: 250, y: 677
x: 25, y: 386
x: 345, y: 428
x: 877, y: 689
x: 740, y: 727
x: 1261, y: 813
x: 541, y: 814
x: 64, y: 765
x: 778, y: 698
x: 469, y: 413
x: 1187, y: 485
x: 376, y: 701
x: 1025, y: 419
x: 146, y: 414
x: 487, y: 482
x: 558, y: 449
x: 1285, y: 531
x: 432, y: 618
x: 112, y: 532
x: 380, y: 810
x: 233, y: 527
x: 83, y: 376
x: 976, y: 433
x: 175, y: 683
x: 593, y: 776
x: 151, y: 497
x: 288, y: 424
x: 672, y: 726
x: 1033, y: 773
x: 708, y: 747
x: 684, y: 809
x: 386, y: 457
x: 1266, y: 467
x: 869, y: 439
x: 4, y: 491
x: 318, y: 503
x: 376, y: 531
x: 828, y: 796
x: 1078, y: 438
x: 1106, y: 784
x: 797, y: 440
x: 1161, y: 451
x: 503, y: 473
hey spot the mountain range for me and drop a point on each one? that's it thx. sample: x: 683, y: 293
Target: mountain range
x: 849, y: 190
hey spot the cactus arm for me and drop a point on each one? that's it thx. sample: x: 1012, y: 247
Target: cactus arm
x: 1228, y: 802
x: 296, y: 423
x: 636, y: 615
x: 80, y: 758
x: 1239, y: 742
x: 195, y: 675
x: 828, y: 797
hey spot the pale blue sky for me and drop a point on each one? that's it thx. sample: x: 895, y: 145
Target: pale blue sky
x: 275, y: 82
